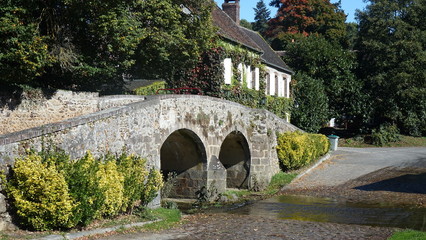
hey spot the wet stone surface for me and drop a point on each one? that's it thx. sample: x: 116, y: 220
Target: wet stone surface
x: 225, y: 226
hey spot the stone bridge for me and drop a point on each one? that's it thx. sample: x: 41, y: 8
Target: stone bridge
x: 206, y: 141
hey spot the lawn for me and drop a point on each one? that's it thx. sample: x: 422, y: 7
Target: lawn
x: 408, y: 234
x: 406, y: 141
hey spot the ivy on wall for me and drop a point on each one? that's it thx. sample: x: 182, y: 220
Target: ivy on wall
x: 208, y: 76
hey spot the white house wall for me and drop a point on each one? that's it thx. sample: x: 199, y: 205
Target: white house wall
x: 246, y: 72
x: 283, y: 83
x: 227, y: 65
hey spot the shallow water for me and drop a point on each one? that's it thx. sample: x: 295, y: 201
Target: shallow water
x: 327, y: 210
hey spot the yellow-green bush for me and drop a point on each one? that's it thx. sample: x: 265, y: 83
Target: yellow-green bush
x: 153, y: 184
x: 83, y: 182
x: 135, y: 173
x: 297, y: 149
x: 111, y: 183
x: 50, y: 191
x: 40, y: 194
x: 150, y: 89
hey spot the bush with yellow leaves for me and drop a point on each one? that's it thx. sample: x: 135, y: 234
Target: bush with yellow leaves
x: 39, y: 193
x: 297, y: 149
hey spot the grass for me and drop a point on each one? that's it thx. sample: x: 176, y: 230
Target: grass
x: 279, y: 180
x: 406, y: 141
x: 169, y: 218
x: 408, y: 234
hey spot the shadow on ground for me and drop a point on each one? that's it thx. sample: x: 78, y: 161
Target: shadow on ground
x: 408, y: 183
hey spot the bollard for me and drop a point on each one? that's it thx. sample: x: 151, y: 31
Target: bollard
x: 334, y: 141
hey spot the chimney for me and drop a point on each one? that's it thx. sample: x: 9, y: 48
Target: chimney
x: 232, y: 8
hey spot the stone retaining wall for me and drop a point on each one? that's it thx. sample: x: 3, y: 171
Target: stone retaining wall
x: 34, y: 109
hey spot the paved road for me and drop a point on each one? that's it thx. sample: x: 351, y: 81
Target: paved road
x: 348, y: 164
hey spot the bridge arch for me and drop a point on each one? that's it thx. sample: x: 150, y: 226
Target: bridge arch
x: 184, y: 154
x: 236, y: 158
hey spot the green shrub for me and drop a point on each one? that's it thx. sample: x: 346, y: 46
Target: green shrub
x: 83, y: 182
x: 385, y: 134
x: 49, y: 191
x: 297, y: 149
x: 134, y: 170
x: 40, y: 194
x: 152, y: 186
x: 150, y: 89
x: 280, y: 106
x: 111, y: 184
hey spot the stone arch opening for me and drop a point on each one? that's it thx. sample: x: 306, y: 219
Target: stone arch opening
x: 235, y: 157
x: 183, y: 154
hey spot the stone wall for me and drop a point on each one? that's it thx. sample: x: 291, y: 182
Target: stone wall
x: 34, y: 108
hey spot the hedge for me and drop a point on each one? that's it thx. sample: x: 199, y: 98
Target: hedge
x: 49, y: 191
x: 296, y: 149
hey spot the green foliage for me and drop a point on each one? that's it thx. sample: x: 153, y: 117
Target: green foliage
x: 310, y: 110
x: 91, y: 45
x: 261, y: 17
x: 385, y: 134
x: 169, y: 217
x: 296, y: 149
x: 133, y: 168
x: 246, y: 24
x: 244, y: 96
x: 207, y: 74
x: 333, y: 67
x: 153, y: 185
x: 392, y: 56
x: 280, y: 106
x: 83, y: 182
x: 111, y: 185
x: 408, y: 234
x: 49, y: 191
x: 39, y: 194
x: 280, y: 179
x: 175, y: 39
x: 150, y: 89
x: 23, y: 52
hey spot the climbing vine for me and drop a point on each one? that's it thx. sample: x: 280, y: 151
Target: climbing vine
x: 208, y: 74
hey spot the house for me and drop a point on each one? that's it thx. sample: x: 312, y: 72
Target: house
x: 278, y: 74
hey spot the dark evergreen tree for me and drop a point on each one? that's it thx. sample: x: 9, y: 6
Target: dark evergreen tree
x: 261, y: 17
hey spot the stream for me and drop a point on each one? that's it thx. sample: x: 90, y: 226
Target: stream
x: 327, y: 210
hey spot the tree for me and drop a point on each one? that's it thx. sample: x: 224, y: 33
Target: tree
x: 311, y: 103
x: 175, y: 39
x: 246, y: 24
x: 261, y: 17
x: 392, y: 56
x: 308, y: 17
x: 333, y: 67
x: 91, y: 45
x: 23, y: 51
x: 352, y: 34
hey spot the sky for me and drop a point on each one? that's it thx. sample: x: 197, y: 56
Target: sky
x: 247, y: 6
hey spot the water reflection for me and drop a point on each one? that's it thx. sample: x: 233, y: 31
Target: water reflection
x: 327, y: 210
